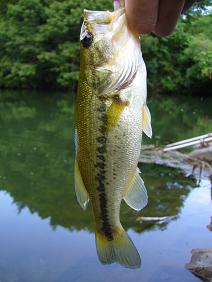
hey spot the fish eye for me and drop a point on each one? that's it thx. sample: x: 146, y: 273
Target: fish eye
x: 87, y: 40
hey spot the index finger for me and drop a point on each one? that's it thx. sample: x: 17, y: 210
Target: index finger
x: 142, y: 14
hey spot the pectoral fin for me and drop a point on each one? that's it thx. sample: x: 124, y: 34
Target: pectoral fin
x: 113, y: 114
x: 136, y: 195
x: 146, y: 121
x: 81, y: 193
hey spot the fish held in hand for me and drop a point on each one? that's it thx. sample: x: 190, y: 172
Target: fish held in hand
x: 111, y: 114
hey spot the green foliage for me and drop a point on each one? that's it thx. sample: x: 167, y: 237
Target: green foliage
x: 200, y: 7
x: 39, y: 47
x: 39, y: 42
x: 200, y: 47
x: 181, y: 62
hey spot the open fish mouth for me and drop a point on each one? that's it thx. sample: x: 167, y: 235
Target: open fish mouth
x: 100, y: 22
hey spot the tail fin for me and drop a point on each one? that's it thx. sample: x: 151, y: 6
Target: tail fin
x: 121, y: 249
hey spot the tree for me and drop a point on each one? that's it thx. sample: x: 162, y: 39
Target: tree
x: 39, y: 42
x: 39, y: 47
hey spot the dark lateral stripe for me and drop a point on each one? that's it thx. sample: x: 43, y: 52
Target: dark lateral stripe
x: 101, y: 175
x: 106, y: 228
x: 101, y: 157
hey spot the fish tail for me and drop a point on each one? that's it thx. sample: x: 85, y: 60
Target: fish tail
x: 119, y: 249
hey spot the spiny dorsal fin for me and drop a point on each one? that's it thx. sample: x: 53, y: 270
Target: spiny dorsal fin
x: 136, y: 195
x: 146, y: 121
x: 81, y: 193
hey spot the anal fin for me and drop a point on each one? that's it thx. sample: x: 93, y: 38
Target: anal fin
x: 81, y: 193
x: 136, y: 196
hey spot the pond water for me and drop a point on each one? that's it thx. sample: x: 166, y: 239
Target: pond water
x: 44, y: 234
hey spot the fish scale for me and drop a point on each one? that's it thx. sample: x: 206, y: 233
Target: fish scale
x: 111, y: 114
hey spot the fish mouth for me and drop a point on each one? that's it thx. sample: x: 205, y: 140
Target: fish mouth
x: 102, y: 17
x: 100, y: 22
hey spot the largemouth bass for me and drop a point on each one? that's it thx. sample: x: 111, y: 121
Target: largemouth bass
x: 111, y: 114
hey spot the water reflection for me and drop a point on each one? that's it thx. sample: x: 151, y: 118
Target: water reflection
x: 36, y: 168
x: 36, y: 172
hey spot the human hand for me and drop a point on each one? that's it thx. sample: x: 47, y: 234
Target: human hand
x: 157, y: 16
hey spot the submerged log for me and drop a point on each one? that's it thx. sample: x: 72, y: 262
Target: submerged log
x: 197, y: 163
x: 203, y: 154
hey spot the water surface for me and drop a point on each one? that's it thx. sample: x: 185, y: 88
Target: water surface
x: 44, y: 234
